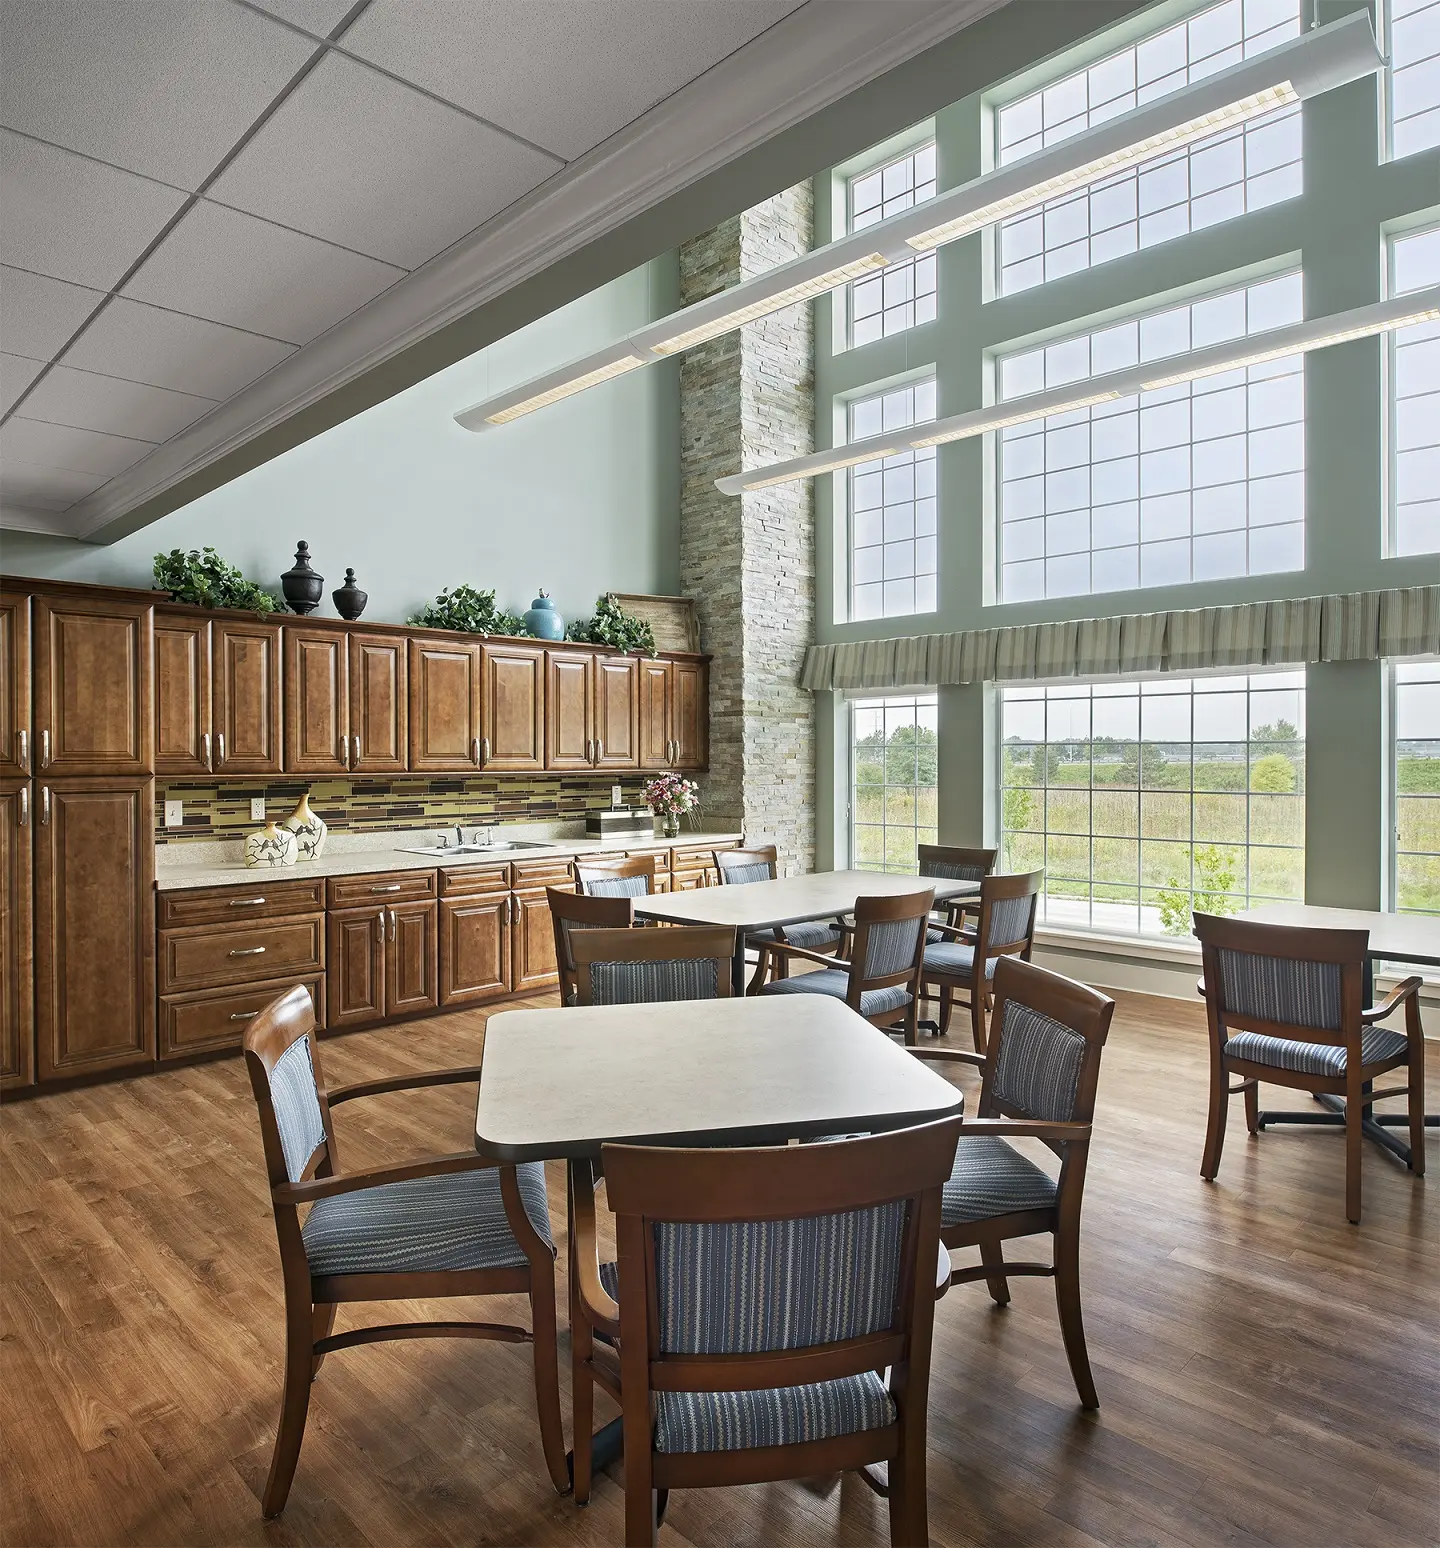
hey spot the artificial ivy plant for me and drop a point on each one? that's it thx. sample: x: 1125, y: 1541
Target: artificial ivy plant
x: 614, y: 627
x: 470, y: 612
x: 203, y: 578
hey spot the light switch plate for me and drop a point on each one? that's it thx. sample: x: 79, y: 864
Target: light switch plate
x: 174, y: 814
x: 615, y: 795
x: 257, y: 808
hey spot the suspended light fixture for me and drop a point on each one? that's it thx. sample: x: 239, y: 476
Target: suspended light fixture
x: 1316, y: 62
x: 1418, y: 306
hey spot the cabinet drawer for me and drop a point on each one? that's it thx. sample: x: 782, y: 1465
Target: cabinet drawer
x: 381, y: 888
x: 554, y: 872
x: 464, y: 880
x: 198, y: 1023
x: 203, y: 957
x: 263, y: 899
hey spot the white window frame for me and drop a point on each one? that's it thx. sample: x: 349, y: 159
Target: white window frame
x: 1413, y: 7
x: 895, y: 276
x: 916, y: 702
x: 1394, y: 342
x: 1397, y: 670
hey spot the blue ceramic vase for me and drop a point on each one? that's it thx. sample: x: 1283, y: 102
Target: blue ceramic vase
x: 543, y: 621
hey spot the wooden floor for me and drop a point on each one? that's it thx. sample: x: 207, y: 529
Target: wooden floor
x: 1267, y: 1372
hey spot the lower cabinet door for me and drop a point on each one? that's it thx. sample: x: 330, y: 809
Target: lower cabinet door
x: 410, y: 959
x: 474, y: 948
x: 201, y: 1023
x: 355, y: 967
x: 17, y: 966
x: 533, y: 963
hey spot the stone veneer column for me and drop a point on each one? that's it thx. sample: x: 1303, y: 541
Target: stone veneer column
x: 746, y: 399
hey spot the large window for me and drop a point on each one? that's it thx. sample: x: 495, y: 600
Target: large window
x: 1415, y: 405
x: 1244, y: 168
x: 1414, y: 75
x: 1198, y: 481
x: 1144, y: 800
x: 1417, y: 787
x: 892, y: 781
x: 893, y: 545
x: 903, y: 296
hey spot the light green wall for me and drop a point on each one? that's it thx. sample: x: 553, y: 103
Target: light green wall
x: 581, y: 498
x: 1336, y: 232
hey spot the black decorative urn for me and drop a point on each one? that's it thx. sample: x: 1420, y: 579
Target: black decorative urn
x: 349, y: 599
x: 303, y: 588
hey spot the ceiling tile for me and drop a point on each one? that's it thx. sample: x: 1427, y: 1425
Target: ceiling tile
x: 233, y: 268
x: 359, y: 159
x: 42, y: 488
x: 565, y: 74
x: 91, y: 402
x: 318, y: 16
x: 38, y: 314
x: 75, y: 219
x: 63, y: 446
x: 165, y: 88
x: 168, y: 349
x: 16, y: 374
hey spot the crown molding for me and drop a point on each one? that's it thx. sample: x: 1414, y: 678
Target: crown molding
x: 808, y: 61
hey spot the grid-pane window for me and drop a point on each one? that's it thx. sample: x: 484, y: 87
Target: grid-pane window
x: 893, y: 544
x: 903, y: 294
x: 1415, y: 408
x: 1243, y: 168
x: 1198, y: 481
x: 1417, y: 787
x: 1144, y: 800
x: 1414, y: 75
x: 893, y: 752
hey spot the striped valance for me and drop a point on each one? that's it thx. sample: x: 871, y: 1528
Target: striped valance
x: 1357, y: 626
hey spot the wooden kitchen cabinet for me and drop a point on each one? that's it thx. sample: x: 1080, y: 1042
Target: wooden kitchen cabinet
x: 617, y: 712
x: 17, y: 966
x: 379, y: 704
x: 690, y: 714
x: 92, y: 684
x: 94, y: 925
x: 532, y: 961
x: 317, y: 701
x: 247, y: 696
x: 512, y: 707
x: 474, y: 949
x: 16, y: 747
x: 381, y: 962
x: 569, y: 709
x: 411, y: 960
x: 653, y: 730
x: 184, y: 713
x: 444, y: 705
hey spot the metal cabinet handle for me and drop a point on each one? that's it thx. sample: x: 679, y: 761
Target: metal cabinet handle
x: 392, y: 924
x: 24, y: 806
x: 246, y: 902
x: 243, y: 1015
x: 45, y: 749
x: 220, y: 749
x: 23, y: 756
x: 345, y: 752
x: 205, y: 748
x: 380, y: 923
x: 599, y: 749
x: 355, y: 761
x: 514, y: 909
x: 475, y: 752
x: 44, y: 806
x: 248, y: 951
x: 391, y: 887
x: 484, y: 751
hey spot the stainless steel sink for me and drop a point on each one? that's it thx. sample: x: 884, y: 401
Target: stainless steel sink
x: 441, y: 851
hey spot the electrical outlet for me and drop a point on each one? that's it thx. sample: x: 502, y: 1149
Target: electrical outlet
x: 615, y: 795
x: 257, y: 808
x: 174, y: 814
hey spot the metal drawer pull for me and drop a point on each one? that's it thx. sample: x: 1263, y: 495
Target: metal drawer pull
x: 44, y: 749
x: 243, y: 1015
x: 44, y: 806
x: 248, y: 951
x: 23, y: 738
x: 245, y: 902
x: 393, y: 887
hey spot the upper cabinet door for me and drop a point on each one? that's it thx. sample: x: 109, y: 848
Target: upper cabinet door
x: 690, y: 714
x: 512, y: 707
x: 653, y: 734
x: 247, y: 698
x: 444, y: 706
x: 183, y: 741
x: 569, y: 709
x: 378, y: 704
x: 92, y: 687
x: 17, y: 752
x: 617, y: 712
x: 317, y: 701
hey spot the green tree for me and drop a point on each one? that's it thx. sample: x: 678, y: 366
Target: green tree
x: 1141, y: 759
x: 1214, y: 882
x: 1281, y: 731
x: 1018, y: 808
x: 911, y: 756
x: 1274, y: 774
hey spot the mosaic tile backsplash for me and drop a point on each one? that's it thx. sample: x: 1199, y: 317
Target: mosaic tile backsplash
x: 355, y: 806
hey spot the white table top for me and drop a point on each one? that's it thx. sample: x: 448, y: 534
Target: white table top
x: 1393, y: 937
x: 736, y: 1071
x: 791, y: 899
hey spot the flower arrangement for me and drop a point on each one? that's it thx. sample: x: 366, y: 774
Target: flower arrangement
x: 670, y: 796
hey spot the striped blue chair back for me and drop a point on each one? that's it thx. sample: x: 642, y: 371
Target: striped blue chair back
x: 644, y: 982
x: 755, y: 1286
x: 1037, y: 1064
x: 943, y: 870
x: 297, y: 1107
x: 1010, y: 921
x: 740, y: 874
x: 891, y: 947
x: 618, y: 887
x: 1282, y: 989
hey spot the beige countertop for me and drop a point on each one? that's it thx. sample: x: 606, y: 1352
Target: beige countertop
x: 222, y: 864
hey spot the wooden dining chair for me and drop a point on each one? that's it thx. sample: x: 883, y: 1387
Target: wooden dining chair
x: 738, y: 866
x: 632, y: 877
x: 446, y: 1225
x: 571, y: 911
x: 1038, y: 1081
x: 1286, y: 1005
x: 951, y: 862
x: 964, y: 959
x: 757, y: 1299
x: 632, y: 967
x: 881, y: 979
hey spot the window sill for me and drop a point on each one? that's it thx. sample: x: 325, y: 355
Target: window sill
x: 1178, y: 953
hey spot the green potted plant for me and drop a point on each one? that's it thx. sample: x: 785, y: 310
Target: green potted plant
x: 203, y: 579
x: 469, y: 612
x: 613, y: 626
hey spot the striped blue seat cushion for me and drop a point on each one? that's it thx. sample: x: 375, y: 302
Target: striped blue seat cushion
x: 836, y: 982
x: 990, y: 1177
x: 1280, y: 1053
x: 427, y: 1225
x: 774, y: 1416
x: 956, y: 960
x: 934, y: 937
x: 812, y: 934
x: 643, y: 983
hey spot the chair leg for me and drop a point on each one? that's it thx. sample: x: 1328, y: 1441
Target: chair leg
x: 947, y: 1005
x: 1354, y: 1111
x: 977, y: 1019
x: 1252, y: 1106
x: 547, y: 1380
x: 1215, y: 1128
x: 1072, y: 1325
x: 582, y: 1400
x: 294, y: 1405
x: 992, y: 1255
x: 762, y: 963
x: 324, y: 1321
x: 1416, y: 1100
x: 642, y: 1509
x: 909, y: 1518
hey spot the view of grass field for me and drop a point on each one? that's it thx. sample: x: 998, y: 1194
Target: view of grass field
x: 1417, y: 787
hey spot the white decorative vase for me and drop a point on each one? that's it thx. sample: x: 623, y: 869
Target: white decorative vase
x: 271, y: 846
x: 308, y: 828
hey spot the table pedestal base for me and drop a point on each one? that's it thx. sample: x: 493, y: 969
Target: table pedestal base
x: 1372, y: 1126
x: 607, y: 1445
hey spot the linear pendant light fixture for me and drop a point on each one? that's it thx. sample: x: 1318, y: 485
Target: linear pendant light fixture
x: 1418, y: 306
x: 1315, y: 62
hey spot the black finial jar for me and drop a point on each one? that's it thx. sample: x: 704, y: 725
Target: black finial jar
x: 349, y: 599
x: 302, y: 586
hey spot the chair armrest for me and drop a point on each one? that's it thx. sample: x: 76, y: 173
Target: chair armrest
x: 354, y: 1182
x: 1397, y: 996
x: 600, y: 1309
x: 365, y: 1088
x: 956, y: 933
x: 814, y: 956
x: 1025, y: 1128
x: 950, y: 1056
